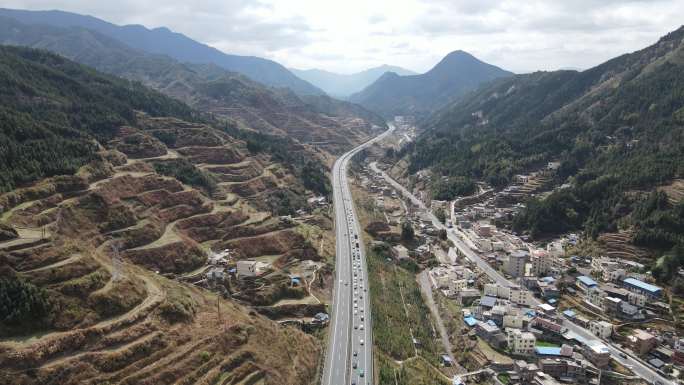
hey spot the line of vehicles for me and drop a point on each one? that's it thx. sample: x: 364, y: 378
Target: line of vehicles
x: 358, y: 290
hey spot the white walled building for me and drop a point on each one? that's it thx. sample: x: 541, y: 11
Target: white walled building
x: 519, y: 342
x: 602, y: 329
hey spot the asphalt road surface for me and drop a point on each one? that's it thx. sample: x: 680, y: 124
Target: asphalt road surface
x: 638, y: 367
x: 349, y: 358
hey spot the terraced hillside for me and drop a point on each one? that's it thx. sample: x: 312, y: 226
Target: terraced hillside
x: 93, y: 263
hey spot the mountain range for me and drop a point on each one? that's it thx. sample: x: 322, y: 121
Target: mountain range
x: 175, y: 45
x: 207, y: 87
x: 343, y: 85
x: 616, y: 131
x: 455, y: 74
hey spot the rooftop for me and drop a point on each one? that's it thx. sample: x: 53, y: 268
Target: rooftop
x: 597, y: 347
x: 586, y: 281
x: 569, y: 313
x: 643, y: 285
x: 547, y: 351
x: 488, y: 301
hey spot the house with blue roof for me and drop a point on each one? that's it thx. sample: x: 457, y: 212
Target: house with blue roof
x: 640, y: 287
x: 570, y: 314
x: 585, y: 283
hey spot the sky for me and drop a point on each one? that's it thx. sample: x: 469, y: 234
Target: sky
x: 352, y: 35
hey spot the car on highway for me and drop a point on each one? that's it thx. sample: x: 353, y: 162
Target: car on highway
x: 622, y: 354
x: 361, y: 318
x: 361, y: 342
x: 356, y: 353
x: 361, y: 327
x: 361, y: 373
x: 354, y: 365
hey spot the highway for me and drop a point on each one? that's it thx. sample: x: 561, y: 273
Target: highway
x: 640, y: 368
x: 349, y: 357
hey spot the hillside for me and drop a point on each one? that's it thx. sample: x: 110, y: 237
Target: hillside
x: 207, y: 87
x: 616, y: 130
x: 175, y: 45
x: 113, y: 196
x: 343, y: 85
x: 418, y: 95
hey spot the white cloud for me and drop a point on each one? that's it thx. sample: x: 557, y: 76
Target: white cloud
x: 352, y: 35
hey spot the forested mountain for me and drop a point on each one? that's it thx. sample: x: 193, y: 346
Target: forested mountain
x: 206, y: 87
x: 175, y: 45
x: 343, y: 85
x: 108, y: 191
x: 53, y: 112
x: 617, y: 130
x: 455, y: 74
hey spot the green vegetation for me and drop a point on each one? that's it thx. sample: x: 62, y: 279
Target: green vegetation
x: 441, y: 215
x: 399, y: 311
x: 613, y: 143
x: 450, y: 188
x: 187, y: 173
x: 407, y: 232
x: 52, y: 110
x: 546, y: 344
x: 22, y: 302
x: 289, y: 153
x: 285, y: 201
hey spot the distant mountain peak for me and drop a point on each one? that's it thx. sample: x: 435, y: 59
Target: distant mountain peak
x: 457, y: 73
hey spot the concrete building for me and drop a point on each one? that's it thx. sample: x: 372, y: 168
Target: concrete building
x: 640, y: 287
x: 601, y: 329
x: 585, y: 283
x: 546, y: 325
x: 642, y: 341
x: 494, y: 290
x: 597, y: 353
x: 515, y: 265
x: 541, y: 262
x: 566, y: 370
x: 595, y: 297
x: 520, y: 342
x: 490, y: 333
x: 484, y: 231
x: 513, y: 321
x: 520, y: 296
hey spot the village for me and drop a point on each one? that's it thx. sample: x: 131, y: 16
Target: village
x: 530, y: 327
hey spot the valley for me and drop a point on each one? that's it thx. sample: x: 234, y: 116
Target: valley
x: 178, y: 207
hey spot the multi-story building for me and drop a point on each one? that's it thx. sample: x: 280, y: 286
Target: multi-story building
x: 547, y: 325
x: 642, y: 341
x: 597, y: 353
x: 640, y: 287
x: 520, y: 342
x: 541, y: 262
x: 585, y: 283
x: 602, y: 329
x: 515, y: 265
x: 513, y: 321
x: 566, y: 369
x: 678, y: 356
x: 520, y: 296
